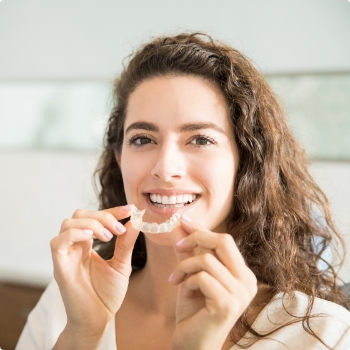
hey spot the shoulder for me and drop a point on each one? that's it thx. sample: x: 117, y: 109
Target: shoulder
x: 298, y: 303
x: 329, y: 321
x: 48, y: 319
x: 45, y: 322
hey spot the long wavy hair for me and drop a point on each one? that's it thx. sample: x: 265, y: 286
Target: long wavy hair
x: 273, y: 218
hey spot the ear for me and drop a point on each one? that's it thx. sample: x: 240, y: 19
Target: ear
x: 117, y: 157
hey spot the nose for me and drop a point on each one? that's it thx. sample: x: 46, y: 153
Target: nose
x: 169, y: 164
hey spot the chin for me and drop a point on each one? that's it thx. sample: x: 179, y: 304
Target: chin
x: 163, y: 239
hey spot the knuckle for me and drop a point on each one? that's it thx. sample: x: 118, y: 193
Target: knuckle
x: 68, y: 234
x: 55, y: 246
x: 53, y: 243
x: 66, y: 223
x: 231, y: 308
x: 78, y: 213
x: 92, y: 224
x: 226, y: 239
x: 202, y: 276
x: 207, y: 258
x: 108, y: 216
x: 57, y: 276
x: 252, y: 278
x: 254, y: 288
x: 196, y: 234
x: 224, y: 306
x: 220, y: 308
x: 243, y: 299
x: 181, y: 266
x: 246, y: 297
x: 250, y: 283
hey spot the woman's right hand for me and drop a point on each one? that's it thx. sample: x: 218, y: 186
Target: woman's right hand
x: 92, y: 288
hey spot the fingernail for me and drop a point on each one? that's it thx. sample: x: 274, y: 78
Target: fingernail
x: 171, y: 277
x: 120, y: 227
x: 88, y: 232
x: 107, y: 233
x: 186, y: 218
x: 180, y: 242
x: 128, y: 207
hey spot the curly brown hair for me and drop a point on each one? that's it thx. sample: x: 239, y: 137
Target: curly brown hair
x: 272, y: 218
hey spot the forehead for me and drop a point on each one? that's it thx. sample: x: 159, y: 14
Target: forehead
x: 170, y: 101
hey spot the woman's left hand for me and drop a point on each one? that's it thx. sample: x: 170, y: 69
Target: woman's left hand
x: 216, y: 286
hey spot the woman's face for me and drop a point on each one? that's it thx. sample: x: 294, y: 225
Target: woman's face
x: 178, y: 147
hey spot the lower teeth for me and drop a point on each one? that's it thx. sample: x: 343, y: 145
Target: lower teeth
x: 169, y: 205
x: 167, y: 226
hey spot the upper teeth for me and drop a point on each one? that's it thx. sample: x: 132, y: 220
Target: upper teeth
x: 181, y: 198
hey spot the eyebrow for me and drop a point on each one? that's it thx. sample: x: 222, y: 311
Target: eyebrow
x: 142, y: 125
x: 199, y: 126
x: 183, y: 128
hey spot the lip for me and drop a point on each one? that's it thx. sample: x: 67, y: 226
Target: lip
x: 167, y: 211
x: 170, y: 191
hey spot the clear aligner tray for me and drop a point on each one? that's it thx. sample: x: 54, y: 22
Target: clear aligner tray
x: 146, y: 227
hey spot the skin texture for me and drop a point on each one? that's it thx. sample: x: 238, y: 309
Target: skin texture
x: 195, y: 291
x: 172, y: 159
x: 84, y: 278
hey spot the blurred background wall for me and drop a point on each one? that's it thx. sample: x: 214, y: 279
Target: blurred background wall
x: 57, y: 63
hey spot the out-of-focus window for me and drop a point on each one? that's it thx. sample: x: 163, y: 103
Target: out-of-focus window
x: 73, y: 115
x: 54, y: 115
x: 318, y: 111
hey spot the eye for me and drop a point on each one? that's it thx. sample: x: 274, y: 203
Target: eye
x: 139, y: 140
x: 201, y: 140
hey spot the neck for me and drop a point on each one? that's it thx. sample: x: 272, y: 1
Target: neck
x: 156, y: 296
x: 151, y: 283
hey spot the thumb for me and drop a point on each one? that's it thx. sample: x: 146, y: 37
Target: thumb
x: 121, y: 212
x: 123, y: 248
x: 187, y: 226
x: 190, y: 226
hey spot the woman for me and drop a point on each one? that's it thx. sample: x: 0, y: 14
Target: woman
x: 195, y: 124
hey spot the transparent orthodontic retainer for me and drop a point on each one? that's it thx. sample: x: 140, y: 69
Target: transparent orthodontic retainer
x: 146, y: 227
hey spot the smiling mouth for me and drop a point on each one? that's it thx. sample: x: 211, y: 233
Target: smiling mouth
x: 179, y: 201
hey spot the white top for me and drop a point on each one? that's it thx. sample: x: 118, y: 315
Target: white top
x: 48, y: 319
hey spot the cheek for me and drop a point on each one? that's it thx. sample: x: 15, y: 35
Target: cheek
x: 218, y: 172
x: 226, y: 173
x: 129, y: 177
x: 218, y: 175
x: 134, y: 169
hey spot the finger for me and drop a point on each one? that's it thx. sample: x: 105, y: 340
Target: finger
x: 70, y: 251
x: 177, y: 235
x: 71, y: 240
x: 191, y: 227
x: 211, y: 289
x: 62, y: 242
x: 218, y: 300
x: 100, y: 232
x: 221, y: 243
x: 121, y: 212
x: 205, y: 262
x: 121, y: 260
x: 107, y: 219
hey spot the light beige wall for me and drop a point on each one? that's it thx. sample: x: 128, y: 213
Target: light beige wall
x: 64, y: 39
x: 38, y: 190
